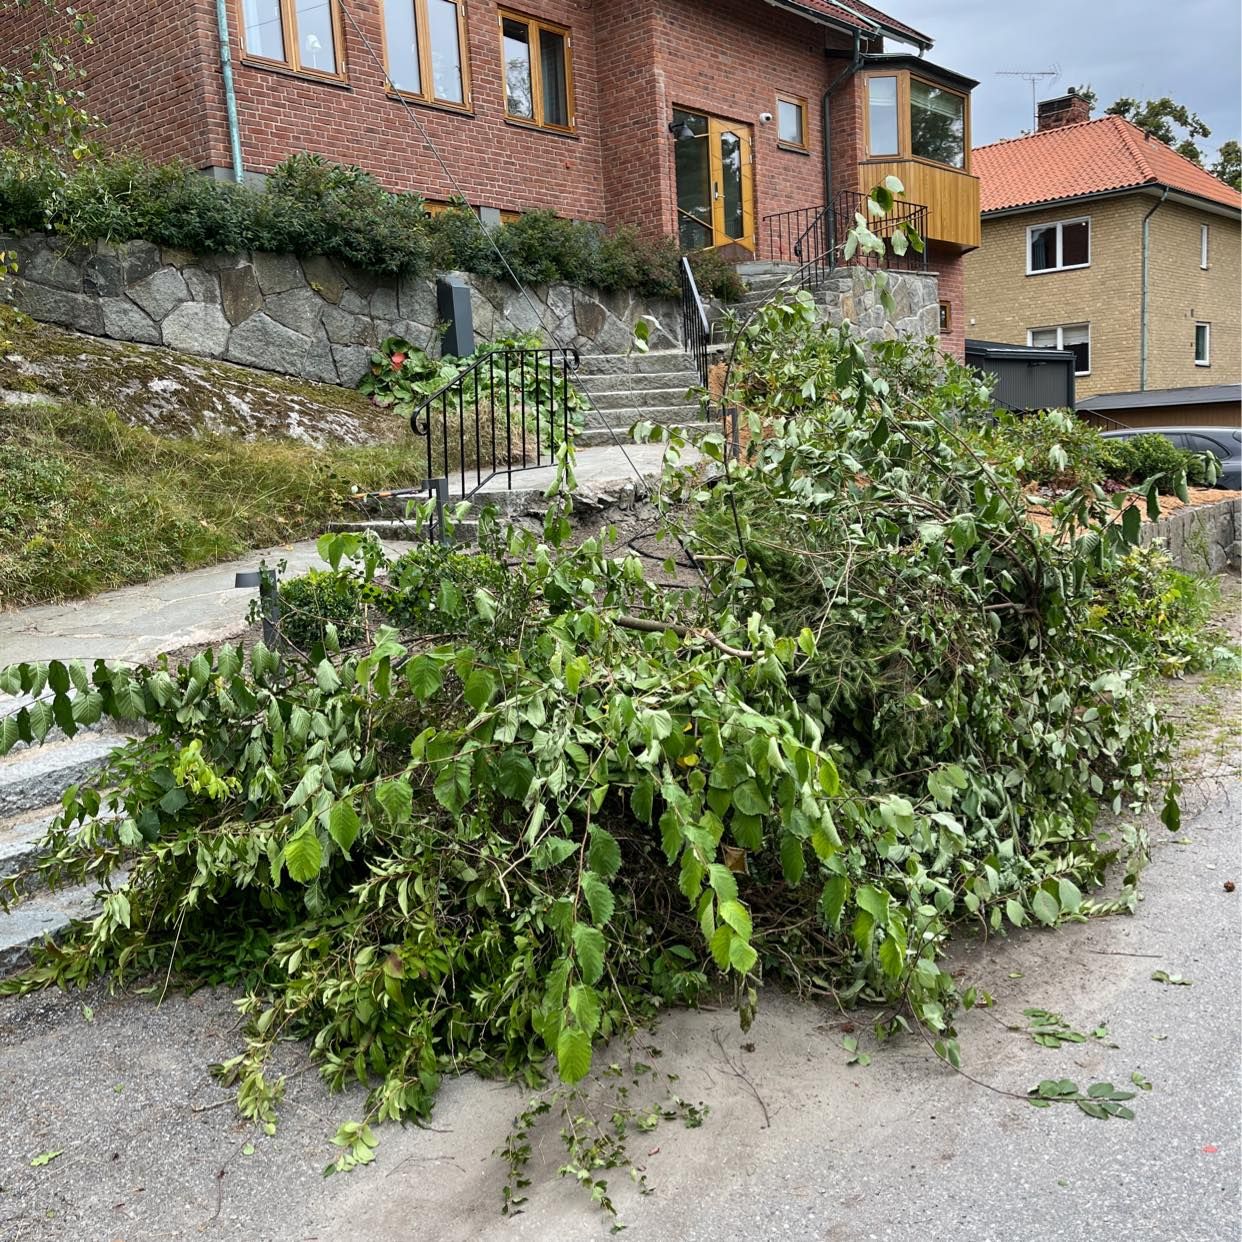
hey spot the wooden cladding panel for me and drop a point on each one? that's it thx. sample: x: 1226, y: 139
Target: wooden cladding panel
x: 950, y: 196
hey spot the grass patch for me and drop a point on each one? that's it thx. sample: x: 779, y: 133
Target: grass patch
x: 89, y: 503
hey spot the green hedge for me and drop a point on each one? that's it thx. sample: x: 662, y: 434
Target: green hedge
x: 311, y: 206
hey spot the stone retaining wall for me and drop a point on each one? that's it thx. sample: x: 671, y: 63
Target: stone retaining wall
x: 320, y: 320
x: 1201, y: 539
x: 850, y: 293
x: 314, y: 318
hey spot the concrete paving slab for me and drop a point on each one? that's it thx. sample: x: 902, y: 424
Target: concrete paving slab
x: 136, y: 623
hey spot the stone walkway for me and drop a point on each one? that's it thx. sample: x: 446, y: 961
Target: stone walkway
x: 136, y: 623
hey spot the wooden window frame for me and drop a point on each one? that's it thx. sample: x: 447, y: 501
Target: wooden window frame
x: 426, y: 73
x: 905, y: 139
x: 1206, y: 360
x: 289, y: 30
x: 1059, y: 225
x: 946, y: 317
x: 796, y: 101
x: 536, y: 26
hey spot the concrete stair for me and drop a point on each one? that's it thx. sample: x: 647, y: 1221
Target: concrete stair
x: 623, y: 389
x: 32, y: 779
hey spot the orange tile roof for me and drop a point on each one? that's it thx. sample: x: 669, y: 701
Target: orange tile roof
x: 1091, y: 157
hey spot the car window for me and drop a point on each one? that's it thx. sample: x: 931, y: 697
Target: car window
x: 1211, y: 444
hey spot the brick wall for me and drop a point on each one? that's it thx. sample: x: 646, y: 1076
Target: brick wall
x: 1003, y: 302
x: 152, y: 71
x: 1183, y: 293
x: 949, y: 265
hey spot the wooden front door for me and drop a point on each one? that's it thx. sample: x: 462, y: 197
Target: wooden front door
x: 715, y: 182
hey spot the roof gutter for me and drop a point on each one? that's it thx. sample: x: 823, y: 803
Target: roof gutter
x: 230, y: 95
x: 865, y: 23
x: 1143, y: 324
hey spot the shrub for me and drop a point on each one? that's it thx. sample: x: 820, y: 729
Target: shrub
x: 1160, y: 613
x: 1052, y: 447
x: 312, y: 206
x: 317, y: 599
x: 1142, y: 457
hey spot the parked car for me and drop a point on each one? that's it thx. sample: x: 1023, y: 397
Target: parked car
x: 1224, y: 442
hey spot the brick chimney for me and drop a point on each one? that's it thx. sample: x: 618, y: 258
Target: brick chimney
x: 1064, y: 110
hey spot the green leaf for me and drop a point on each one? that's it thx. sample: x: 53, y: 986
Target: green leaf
x: 424, y: 677
x: 480, y: 687
x: 721, y: 945
x: 750, y: 800
x: 833, y: 900
x: 603, y: 854
x: 584, y: 1005
x: 1045, y: 907
x: 892, y: 958
x: 1070, y: 896
x: 599, y: 898
x: 344, y: 824
x: 737, y: 917
x: 742, y: 956
x: 793, y: 859
x: 1017, y: 916
x: 875, y: 901
x: 397, y: 799
x: 303, y: 855
x: 589, y: 951
x: 723, y: 882
x: 45, y: 1157
x: 513, y: 774
x: 573, y: 1054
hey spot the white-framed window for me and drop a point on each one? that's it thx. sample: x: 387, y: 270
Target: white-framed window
x: 1203, y: 344
x: 1076, y: 337
x: 1204, y: 233
x: 1058, y: 246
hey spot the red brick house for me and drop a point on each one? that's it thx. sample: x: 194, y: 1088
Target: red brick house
x: 702, y: 119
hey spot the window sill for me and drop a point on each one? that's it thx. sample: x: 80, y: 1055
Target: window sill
x: 1053, y: 271
x: 339, y: 81
x: 1205, y: 365
x: 535, y: 128
x: 792, y: 148
x: 436, y: 105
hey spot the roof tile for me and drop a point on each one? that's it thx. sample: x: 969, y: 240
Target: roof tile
x: 1091, y: 157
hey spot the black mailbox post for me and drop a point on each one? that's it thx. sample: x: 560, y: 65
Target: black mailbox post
x: 453, y: 306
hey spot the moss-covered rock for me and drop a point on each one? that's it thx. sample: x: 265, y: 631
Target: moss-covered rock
x: 179, y: 394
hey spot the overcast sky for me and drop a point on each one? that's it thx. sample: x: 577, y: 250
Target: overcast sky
x: 1145, y: 49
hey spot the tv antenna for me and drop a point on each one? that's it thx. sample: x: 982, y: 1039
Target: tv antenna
x: 1033, y: 76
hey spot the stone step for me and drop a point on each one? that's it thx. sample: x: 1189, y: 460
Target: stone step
x: 636, y: 363
x: 614, y: 381
x: 598, y: 437
x: 20, y: 836
x: 641, y: 399
x: 755, y: 268
x: 43, y: 915
x: 615, y: 416
x: 37, y: 776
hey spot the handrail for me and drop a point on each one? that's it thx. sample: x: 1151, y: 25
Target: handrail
x: 506, y: 412
x: 696, y: 328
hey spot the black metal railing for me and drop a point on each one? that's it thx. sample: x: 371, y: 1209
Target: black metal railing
x: 907, y: 218
x: 783, y: 230
x: 815, y: 237
x: 509, y: 411
x: 695, y: 329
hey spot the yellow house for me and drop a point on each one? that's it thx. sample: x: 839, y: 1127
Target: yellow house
x: 1101, y: 240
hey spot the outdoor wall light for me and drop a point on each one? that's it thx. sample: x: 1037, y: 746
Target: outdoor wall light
x: 680, y: 130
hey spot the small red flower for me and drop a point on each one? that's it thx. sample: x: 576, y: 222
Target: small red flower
x: 398, y: 361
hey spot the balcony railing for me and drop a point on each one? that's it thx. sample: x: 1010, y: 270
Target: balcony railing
x: 815, y: 237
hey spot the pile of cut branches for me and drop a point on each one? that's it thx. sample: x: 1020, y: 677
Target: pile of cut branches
x: 514, y: 821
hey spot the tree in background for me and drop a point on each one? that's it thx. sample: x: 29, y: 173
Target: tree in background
x: 1162, y: 119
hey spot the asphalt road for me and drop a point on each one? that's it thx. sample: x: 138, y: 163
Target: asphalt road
x: 797, y: 1144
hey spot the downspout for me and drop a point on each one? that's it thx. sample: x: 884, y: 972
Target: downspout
x: 856, y: 63
x: 230, y: 96
x: 1144, y: 297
